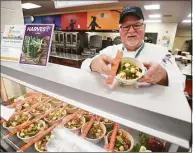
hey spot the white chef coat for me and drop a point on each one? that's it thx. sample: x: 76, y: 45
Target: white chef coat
x: 149, y: 53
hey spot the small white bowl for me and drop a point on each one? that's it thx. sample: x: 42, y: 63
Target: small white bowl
x: 19, y: 98
x: 36, y: 147
x: 108, y: 125
x: 56, y: 103
x: 52, y: 122
x: 18, y: 108
x: 95, y: 141
x: 43, y: 97
x: 127, y: 135
x: 13, y: 128
x: 71, y: 110
x: 134, y: 62
x: 26, y: 140
x: 77, y: 130
x: 37, y: 114
x: 87, y: 117
x: 25, y: 105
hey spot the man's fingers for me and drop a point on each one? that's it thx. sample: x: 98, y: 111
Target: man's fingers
x: 108, y: 60
x: 144, y: 79
x: 104, y: 72
x: 105, y: 69
x: 146, y: 64
x: 147, y: 79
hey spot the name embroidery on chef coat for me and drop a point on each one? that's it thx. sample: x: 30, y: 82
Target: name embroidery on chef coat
x: 166, y: 59
x: 138, y: 52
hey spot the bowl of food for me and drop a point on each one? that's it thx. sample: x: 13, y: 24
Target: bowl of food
x: 40, y: 145
x: 130, y: 70
x: 14, y: 122
x: 41, y: 109
x: 76, y: 124
x: 30, y: 102
x: 56, y: 116
x: 19, y: 98
x: 43, y: 97
x: 70, y: 109
x: 124, y: 141
x: 18, y: 108
x: 56, y: 102
x: 87, y: 115
x: 31, y: 131
x: 108, y: 123
x: 96, y: 132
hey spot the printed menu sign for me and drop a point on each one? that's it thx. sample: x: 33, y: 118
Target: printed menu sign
x: 36, y: 44
x: 11, y: 42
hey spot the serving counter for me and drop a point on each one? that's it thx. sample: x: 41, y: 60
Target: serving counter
x: 153, y: 110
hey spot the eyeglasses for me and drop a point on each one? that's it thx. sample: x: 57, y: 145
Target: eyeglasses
x: 136, y: 27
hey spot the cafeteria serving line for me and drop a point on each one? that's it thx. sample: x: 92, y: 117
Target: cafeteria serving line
x: 96, y: 76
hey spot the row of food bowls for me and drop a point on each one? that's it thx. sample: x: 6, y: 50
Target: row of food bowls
x: 95, y: 135
x: 40, y: 145
x: 53, y: 117
x: 77, y: 125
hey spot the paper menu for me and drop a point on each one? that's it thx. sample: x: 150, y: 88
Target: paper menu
x: 11, y: 42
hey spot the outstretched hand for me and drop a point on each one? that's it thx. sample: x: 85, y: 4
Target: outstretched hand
x: 155, y: 74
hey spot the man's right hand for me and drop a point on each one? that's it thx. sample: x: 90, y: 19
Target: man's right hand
x: 100, y: 64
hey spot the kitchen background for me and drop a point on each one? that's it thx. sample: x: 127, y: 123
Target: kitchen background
x: 80, y: 21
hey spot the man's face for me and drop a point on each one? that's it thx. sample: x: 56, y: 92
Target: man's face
x: 132, y: 31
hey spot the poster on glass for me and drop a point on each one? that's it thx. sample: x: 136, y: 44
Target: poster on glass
x: 37, y: 44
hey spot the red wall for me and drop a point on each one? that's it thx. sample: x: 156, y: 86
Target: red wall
x: 81, y: 20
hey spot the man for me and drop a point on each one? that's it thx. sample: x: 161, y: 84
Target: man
x: 160, y: 64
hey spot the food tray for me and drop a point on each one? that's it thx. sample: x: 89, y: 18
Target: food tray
x: 15, y: 143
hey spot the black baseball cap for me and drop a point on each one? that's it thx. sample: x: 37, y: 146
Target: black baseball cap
x: 131, y: 10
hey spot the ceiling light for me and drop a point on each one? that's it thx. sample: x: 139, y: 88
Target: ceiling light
x: 152, y: 7
x: 186, y: 21
x: 189, y: 15
x: 148, y: 21
x: 64, y: 4
x: 155, y: 16
x: 29, y: 6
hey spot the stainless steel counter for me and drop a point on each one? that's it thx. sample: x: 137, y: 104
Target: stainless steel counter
x: 70, y: 56
x: 147, y: 109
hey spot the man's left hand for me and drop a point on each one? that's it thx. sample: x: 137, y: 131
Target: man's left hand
x: 155, y: 74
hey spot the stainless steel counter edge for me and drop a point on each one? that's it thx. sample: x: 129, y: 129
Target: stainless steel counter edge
x: 110, y: 104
